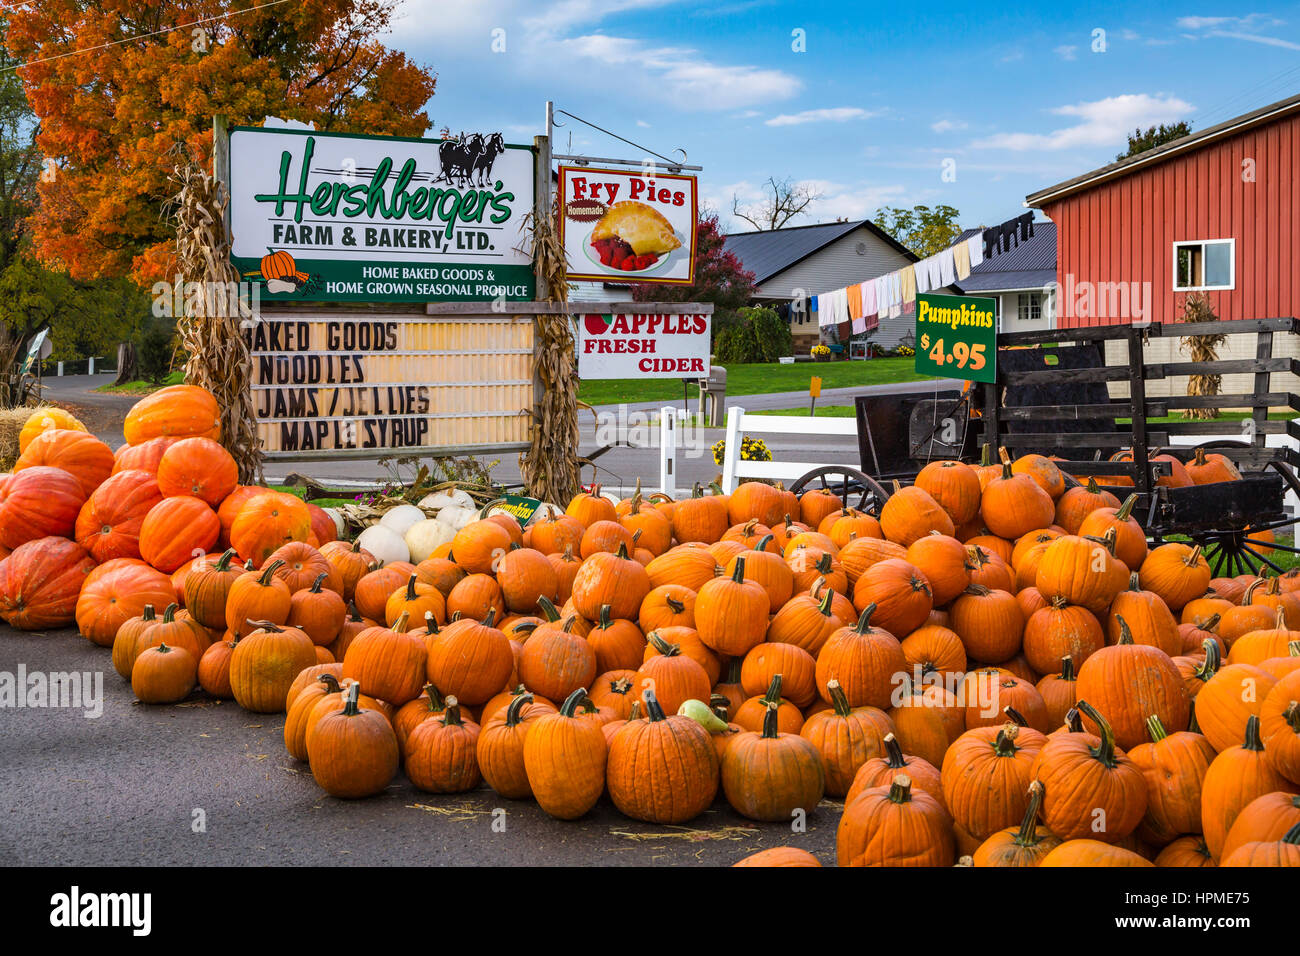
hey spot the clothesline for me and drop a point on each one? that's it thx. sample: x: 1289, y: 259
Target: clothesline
x: 858, y: 308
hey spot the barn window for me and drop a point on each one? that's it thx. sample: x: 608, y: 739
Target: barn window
x: 1030, y: 307
x: 1204, y: 264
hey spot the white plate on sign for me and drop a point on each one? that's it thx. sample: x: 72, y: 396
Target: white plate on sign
x: 661, y: 266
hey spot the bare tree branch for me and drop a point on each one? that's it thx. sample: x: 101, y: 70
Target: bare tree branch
x: 787, y: 200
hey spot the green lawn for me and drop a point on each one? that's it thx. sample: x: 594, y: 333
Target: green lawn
x: 141, y: 387
x: 823, y: 411
x: 755, y: 380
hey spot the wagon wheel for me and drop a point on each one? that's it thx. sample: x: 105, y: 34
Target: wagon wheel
x: 1232, y: 551
x: 871, y: 496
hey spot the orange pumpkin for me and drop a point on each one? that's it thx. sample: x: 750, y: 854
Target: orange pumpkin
x: 176, y: 530
x: 199, y: 467
x: 116, y: 591
x: 268, y: 521
x: 109, y: 523
x: 177, y: 411
x: 80, y: 454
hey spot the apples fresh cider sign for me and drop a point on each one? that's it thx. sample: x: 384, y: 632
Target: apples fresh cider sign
x: 643, y: 345
x: 628, y: 225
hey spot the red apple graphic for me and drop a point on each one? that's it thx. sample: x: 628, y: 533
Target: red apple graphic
x: 596, y: 324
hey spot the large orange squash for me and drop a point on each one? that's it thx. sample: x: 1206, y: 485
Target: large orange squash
x: 178, y: 411
x: 115, y: 591
x: 80, y: 454
x: 109, y: 523
x: 266, y: 522
x: 44, y: 419
x: 176, y: 530
x: 37, y: 503
x: 40, y: 583
x: 142, y: 457
x: 199, y: 467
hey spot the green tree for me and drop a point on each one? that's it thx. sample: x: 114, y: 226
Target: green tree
x: 1140, y: 141
x: 757, y: 335
x: 20, y: 163
x: 921, y: 229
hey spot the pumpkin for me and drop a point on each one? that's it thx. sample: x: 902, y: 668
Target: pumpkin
x: 1279, y: 725
x: 1227, y: 701
x: 669, y: 605
x: 1206, y: 469
x: 910, y: 513
x: 900, y: 593
x: 767, y: 776
x: 942, y: 560
x: 389, y: 663
x: 1238, y: 775
x: 702, y: 518
x: 779, y: 856
x: 934, y: 649
x: 83, y: 456
x: 1014, y: 504
x: 617, y: 644
x: 441, y: 754
x: 373, y: 590
x: 990, y: 623
x: 470, y: 659
x: 612, y: 691
x: 796, y: 666
x: 768, y: 569
x: 163, y: 675
x: 125, y: 649
x: 173, y: 629
x: 895, y: 825
x: 1129, y: 682
x: 177, y: 411
x: 846, y: 738
x: 662, y: 769
x: 551, y: 533
x: 850, y: 524
x: 310, y: 677
x: 731, y: 612
x: 268, y: 521
x: 301, y: 564
x: 214, y: 670
x: 751, y: 714
x: 1059, y: 630
x: 1059, y: 692
x: 39, y: 502
x: 861, y: 553
x: 440, y: 572
x: 986, y: 774
x: 417, y: 601
x: 1022, y: 845
x: 1148, y: 618
x: 1089, y: 786
x: 353, y: 751
x: 1266, y: 818
x: 613, y: 579
x: 1255, y: 647
x: 648, y: 525
x: 256, y: 596
x: 688, y: 566
x: 318, y: 612
x: 108, y: 525
x: 755, y: 501
x: 198, y: 467
x: 1075, y: 853
x: 1284, y: 852
x: 565, y: 758
x: 264, y: 664
x: 177, y: 529
x: 116, y: 591
x: 805, y: 621
x: 880, y: 771
x: 47, y: 418
x: 863, y: 660
x: 350, y: 562
x: 1080, y: 501
x: 556, y: 662
x: 41, y: 581
x: 927, y: 719
x: 500, y: 748
x: 674, y: 676
x: 955, y: 486
x: 1186, y: 851
x: 1177, y: 573
x: 1081, y: 571
x: 323, y: 526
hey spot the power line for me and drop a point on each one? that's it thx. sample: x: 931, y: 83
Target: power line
x: 143, y: 36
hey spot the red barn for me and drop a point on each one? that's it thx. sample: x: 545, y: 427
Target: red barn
x: 1217, y: 211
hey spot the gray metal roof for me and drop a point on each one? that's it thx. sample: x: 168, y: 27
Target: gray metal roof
x: 771, y: 251
x: 1029, y: 265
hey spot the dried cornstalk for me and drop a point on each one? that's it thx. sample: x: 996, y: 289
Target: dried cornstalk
x: 550, y: 466
x: 210, y: 328
x: 1201, y: 348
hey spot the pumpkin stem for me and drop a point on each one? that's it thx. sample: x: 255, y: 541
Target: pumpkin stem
x: 622, y: 550
x: 1126, y: 508
x: 1005, y: 743
x: 1133, y: 584
x: 762, y: 543
x: 491, y: 617
x: 894, y: 753
x: 1125, y: 634
x: 350, y: 708
x: 1027, y: 836
x: 570, y: 705
x: 269, y: 571
x: 315, y: 587
x: 738, y: 574
x: 436, y: 704
x: 769, y: 722
x: 148, y: 613
x: 604, y: 621
x: 410, y: 588
x: 1015, y: 716
x: 773, y: 695
x: 451, y: 716
x: 662, y: 646
x: 1292, y: 836
x: 653, y: 711
x: 169, y: 615
x: 838, y: 700
x: 331, y: 683
x: 1281, y: 617
x: 900, y: 790
x: 621, y: 686
x: 1156, y: 729
x: 674, y: 605
x: 1105, y: 751
x: 223, y: 562
x: 260, y: 625
x: 1210, y: 623
x: 825, y: 605
x: 864, y: 619
x: 353, y: 614
x: 400, y: 624
x: 1212, y: 660
x: 1073, y: 721
x: 634, y: 712
x: 1067, y: 668
x: 548, y: 609
x: 1252, y: 741
x: 1092, y: 486
x: 1293, y: 648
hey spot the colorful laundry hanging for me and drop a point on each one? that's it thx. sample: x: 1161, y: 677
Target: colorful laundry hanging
x: 907, y: 279
x: 961, y: 259
x: 855, y: 301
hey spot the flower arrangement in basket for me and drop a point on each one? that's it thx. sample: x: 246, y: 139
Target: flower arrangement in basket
x: 817, y: 351
x: 751, y: 449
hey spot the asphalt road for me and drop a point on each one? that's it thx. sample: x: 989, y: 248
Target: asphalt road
x: 124, y: 788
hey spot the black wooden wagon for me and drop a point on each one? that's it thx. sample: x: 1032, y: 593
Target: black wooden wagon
x: 1052, y: 398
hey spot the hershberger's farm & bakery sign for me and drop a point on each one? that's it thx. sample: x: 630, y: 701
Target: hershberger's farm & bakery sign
x: 323, y: 216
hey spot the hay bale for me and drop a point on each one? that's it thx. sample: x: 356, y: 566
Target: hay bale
x: 12, y: 421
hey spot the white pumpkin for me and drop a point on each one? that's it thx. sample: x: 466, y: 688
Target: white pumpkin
x: 401, y: 518
x: 457, y: 517
x: 437, y: 500
x: 336, y: 515
x: 423, y: 537
x: 384, y: 543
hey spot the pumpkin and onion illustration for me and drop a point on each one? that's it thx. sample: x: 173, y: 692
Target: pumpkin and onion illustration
x: 280, y: 272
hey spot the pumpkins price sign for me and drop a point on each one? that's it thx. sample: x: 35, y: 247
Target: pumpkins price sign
x: 324, y: 384
x: 325, y: 216
x: 957, y: 337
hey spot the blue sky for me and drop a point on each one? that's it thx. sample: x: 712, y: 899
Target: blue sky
x: 1015, y: 97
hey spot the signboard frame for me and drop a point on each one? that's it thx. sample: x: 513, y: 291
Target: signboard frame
x: 580, y: 309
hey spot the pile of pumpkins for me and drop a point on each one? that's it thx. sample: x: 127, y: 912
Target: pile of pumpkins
x: 995, y: 668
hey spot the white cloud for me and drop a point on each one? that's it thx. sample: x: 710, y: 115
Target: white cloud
x: 1066, y: 51
x: 1100, y: 123
x: 643, y: 124
x: 835, y: 114
x: 1200, y: 23
x: 1255, y: 38
x: 1249, y: 22
x: 947, y: 125
x: 685, y: 75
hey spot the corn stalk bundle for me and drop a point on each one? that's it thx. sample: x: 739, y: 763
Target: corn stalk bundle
x: 210, y: 328
x: 1201, y: 348
x: 550, y: 466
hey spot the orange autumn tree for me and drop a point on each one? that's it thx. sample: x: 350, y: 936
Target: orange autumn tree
x: 117, y: 84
